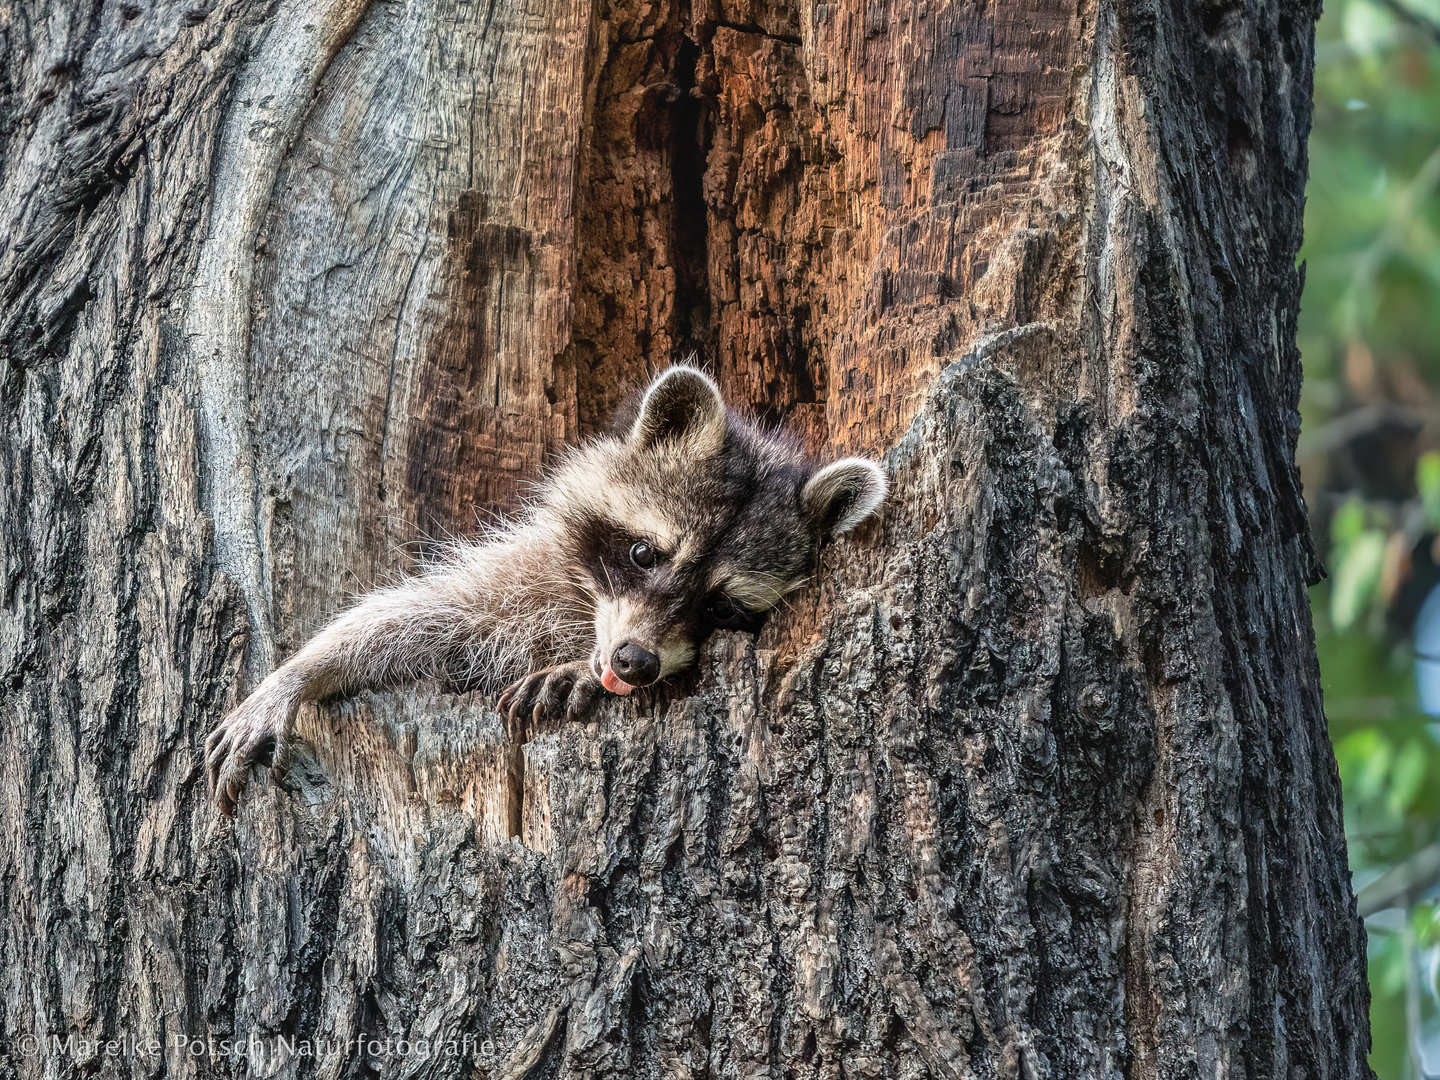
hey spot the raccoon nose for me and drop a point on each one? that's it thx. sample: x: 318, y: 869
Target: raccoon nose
x: 635, y: 665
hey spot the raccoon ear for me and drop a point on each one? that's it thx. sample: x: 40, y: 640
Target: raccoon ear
x: 843, y: 494
x: 682, y: 402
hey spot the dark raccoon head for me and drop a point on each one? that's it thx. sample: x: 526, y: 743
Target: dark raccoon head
x: 689, y: 519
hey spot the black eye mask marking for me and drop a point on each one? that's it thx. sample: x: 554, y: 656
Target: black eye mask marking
x: 617, y: 559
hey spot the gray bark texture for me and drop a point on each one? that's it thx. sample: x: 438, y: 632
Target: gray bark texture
x: 1033, y: 782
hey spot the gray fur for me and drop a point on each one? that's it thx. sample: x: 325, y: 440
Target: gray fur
x: 732, y: 514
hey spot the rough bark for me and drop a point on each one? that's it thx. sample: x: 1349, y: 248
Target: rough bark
x: 1034, y: 782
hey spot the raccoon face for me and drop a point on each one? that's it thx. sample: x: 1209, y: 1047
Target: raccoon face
x: 692, y: 519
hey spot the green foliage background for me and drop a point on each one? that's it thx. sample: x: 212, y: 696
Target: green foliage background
x: 1370, y: 337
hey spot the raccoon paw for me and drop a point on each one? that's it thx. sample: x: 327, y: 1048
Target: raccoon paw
x: 561, y: 692
x: 253, y: 734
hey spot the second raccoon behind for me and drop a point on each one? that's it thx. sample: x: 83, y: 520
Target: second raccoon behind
x: 640, y: 543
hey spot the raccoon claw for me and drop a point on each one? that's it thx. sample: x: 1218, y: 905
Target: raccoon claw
x: 562, y: 692
x: 253, y: 734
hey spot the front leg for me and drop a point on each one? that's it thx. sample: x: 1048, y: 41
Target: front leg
x: 257, y: 732
x: 392, y: 637
x: 561, y: 692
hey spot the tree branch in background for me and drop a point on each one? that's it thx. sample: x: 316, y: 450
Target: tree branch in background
x: 1331, y: 436
x: 1414, y: 18
x: 1403, y: 885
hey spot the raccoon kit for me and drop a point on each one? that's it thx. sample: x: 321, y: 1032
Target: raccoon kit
x: 640, y: 543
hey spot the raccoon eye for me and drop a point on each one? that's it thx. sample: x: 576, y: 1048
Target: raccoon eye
x: 642, y: 555
x: 722, y: 613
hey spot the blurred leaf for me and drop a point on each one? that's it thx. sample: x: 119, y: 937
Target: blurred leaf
x: 1389, y: 967
x: 1357, y: 578
x: 1368, y: 27
x: 1424, y: 921
x: 1347, y: 524
x: 1427, y: 481
x: 1364, y: 758
x: 1406, y: 777
x: 1395, y: 565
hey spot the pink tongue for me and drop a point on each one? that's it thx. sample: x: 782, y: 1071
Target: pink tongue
x: 613, y: 682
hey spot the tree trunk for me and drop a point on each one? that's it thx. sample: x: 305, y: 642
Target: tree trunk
x: 1034, y: 782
